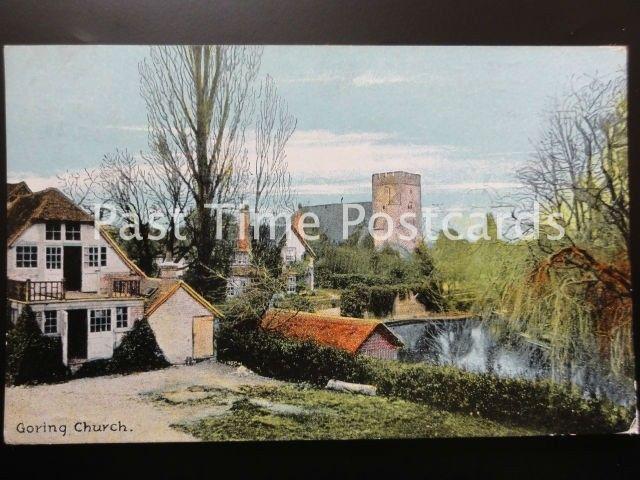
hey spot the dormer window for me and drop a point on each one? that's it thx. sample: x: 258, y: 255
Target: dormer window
x: 53, y: 231
x: 72, y: 231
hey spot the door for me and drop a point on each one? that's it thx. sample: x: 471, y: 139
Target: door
x: 77, y: 334
x: 73, y: 268
x: 202, y: 337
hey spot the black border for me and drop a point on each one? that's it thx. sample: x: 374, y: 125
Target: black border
x: 376, y: 22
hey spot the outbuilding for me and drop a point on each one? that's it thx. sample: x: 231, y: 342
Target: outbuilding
x: 354, y: 335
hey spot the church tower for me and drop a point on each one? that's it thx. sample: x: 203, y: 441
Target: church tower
x: 394, y: 194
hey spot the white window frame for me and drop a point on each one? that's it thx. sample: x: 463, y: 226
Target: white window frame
x: 289, y: 254
x: 53, y: 258
x: 53, y: 231
x: 92, y: 256
x: 50, y: 316
x: 122, y: 317
x: 68, y: 230
x: 100, y: 320
x: 32, y: 256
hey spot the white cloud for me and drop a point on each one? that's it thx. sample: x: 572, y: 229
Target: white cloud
x: 370, y: 79
x: 473, y: 186
x: 34, y: 181
x: 128, y: 128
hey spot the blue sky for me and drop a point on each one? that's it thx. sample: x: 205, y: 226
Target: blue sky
x: 463, y: 117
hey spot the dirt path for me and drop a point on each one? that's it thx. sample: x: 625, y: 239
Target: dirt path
x: 119, y: 407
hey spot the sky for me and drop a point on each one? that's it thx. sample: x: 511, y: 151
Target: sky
x: 463, y: 117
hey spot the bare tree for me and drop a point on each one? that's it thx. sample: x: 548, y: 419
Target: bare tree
x: 125, y: 183
x: 80, y: 186
x: 199, y: 100
x: 271, y: 181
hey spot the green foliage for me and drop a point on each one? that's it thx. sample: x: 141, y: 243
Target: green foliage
x: 138, y: 351
x: 31, y: 356
x: 537, y: 403
x: 295, y: 302
x: 531, y: 403
x: 273, y: 356
x: 266, y: 252
x: 320, y: 414
x: 379, y: 299
x: 354, y: 301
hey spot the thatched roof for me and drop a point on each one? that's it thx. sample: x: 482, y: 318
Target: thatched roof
x: 14, y: 190
x: 345, y: 333
x: 27, y: 208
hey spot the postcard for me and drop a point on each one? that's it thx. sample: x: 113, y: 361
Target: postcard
x: 233, y: 243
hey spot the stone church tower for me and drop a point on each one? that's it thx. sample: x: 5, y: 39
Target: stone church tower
x: 396, y: 193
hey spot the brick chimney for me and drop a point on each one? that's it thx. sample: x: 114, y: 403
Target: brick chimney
x: 243, y: 241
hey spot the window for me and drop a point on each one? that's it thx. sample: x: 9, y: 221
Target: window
x: 100, y: 320
x: 122, y: 317
x: 53, y: 231
x: 53, y: 258
x: 50, y: 321
x: 72, y: 231
x: 26, y: 256
x: 292, y: 284
x: 103, y: 256
x: 290, y: 254
x: 92, y: 256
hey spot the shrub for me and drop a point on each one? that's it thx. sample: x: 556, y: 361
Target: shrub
x: 138, y: 351
x: 31, y: 356
x: 354, y: 302
x: 296, y: 302
x: 274, y: 356
x: 381, y: 300
x: 94, y: 368
x: 542, y: 404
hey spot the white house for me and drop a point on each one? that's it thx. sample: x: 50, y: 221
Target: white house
x: 83, y: 288
x: 296, y: 252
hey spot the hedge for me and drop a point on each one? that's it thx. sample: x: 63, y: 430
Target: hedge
x: 541, y: 403
x: 340, y: 281
x: 379, y: 299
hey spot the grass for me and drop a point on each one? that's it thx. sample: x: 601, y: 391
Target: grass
x: 304, y: 413
x: 324, y: 298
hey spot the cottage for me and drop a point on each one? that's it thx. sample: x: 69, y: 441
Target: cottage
x: 354, y: 335
x: 84, y: 289
x: 296, y: 250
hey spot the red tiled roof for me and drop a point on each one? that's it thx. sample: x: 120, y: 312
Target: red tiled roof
x: 345, y: 333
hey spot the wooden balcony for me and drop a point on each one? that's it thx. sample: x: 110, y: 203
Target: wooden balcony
x: 33, y: 291
x: 126, y: 288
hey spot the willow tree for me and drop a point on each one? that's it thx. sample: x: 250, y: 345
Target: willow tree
x: 579, y: 290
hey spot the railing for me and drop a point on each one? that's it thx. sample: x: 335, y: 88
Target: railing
x: 30, y: 291
x: 126, y: 288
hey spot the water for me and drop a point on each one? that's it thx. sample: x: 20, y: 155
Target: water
x: 472, y: 345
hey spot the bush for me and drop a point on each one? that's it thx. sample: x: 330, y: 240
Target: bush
x: 138, y: 351
x: 33, y: 357
x: 542, y: 404
x: 354, y: 302
x: 295, y: 302
x: 274, y: 356
x: 381, y: 300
